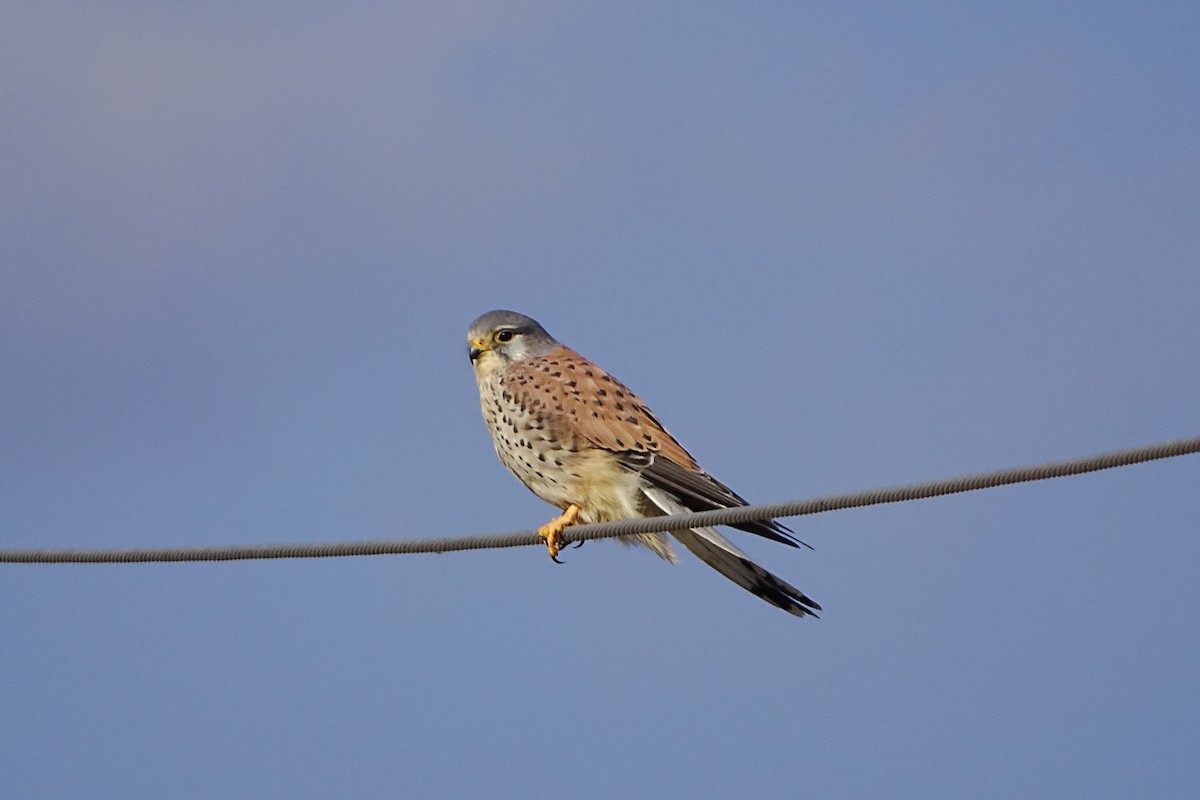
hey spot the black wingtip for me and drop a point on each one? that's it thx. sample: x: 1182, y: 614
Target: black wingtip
x: 779, y: 592
x: 800, y: 606
x: 775, y: 531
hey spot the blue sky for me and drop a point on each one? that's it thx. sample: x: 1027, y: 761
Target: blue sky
x: 833, y: 247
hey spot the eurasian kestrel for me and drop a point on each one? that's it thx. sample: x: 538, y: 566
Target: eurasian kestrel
x: 583, y: 442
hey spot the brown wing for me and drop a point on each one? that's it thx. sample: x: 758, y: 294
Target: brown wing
x: 592, y: 405
x: 583, y: 400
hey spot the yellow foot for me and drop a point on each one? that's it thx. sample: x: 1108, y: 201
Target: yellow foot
x: 554, y: 527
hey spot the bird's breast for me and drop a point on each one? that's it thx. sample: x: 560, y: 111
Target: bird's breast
x: 527, y: 440
x: 535, y: 444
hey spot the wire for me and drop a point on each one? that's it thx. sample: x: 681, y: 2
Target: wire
x: 581, y: 533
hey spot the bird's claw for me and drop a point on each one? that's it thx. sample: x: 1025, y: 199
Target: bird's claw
x: 552, y: 529
x: 575, y: 545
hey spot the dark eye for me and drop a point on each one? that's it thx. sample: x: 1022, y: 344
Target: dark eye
x: 504, y: 336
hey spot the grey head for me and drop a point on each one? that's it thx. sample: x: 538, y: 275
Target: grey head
x: 508, y: 336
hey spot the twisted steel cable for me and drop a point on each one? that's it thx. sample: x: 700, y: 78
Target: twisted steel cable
x: 580, y: 533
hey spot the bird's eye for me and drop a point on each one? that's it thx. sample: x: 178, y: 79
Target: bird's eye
x: 504, y: 336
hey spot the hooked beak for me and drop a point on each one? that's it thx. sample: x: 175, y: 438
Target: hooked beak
x: 476, y: 349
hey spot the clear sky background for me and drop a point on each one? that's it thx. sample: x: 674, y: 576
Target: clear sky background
x: 835, y: 246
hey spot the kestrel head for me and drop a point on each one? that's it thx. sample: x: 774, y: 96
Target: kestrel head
x: 499, y: 338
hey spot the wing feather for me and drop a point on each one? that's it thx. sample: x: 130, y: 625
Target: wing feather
x: 588, y: 403
x: 719, y: 553
x: 696, y: 490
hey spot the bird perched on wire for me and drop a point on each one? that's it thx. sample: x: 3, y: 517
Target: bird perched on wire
x: 581, y: 441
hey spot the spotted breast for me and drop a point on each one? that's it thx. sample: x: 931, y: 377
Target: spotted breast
x: 546, y: 416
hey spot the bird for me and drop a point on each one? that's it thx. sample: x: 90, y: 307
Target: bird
x: 582, y: 441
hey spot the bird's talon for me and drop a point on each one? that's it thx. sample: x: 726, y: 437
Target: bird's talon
x: 550, y: 534
x: 552, y: 529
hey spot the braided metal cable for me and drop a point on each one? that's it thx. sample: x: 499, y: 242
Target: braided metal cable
x: 606, y: 530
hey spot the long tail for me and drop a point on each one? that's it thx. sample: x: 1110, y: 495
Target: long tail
x: 719, y: 553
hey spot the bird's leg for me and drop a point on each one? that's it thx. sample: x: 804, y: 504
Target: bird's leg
x: 554, y: 527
